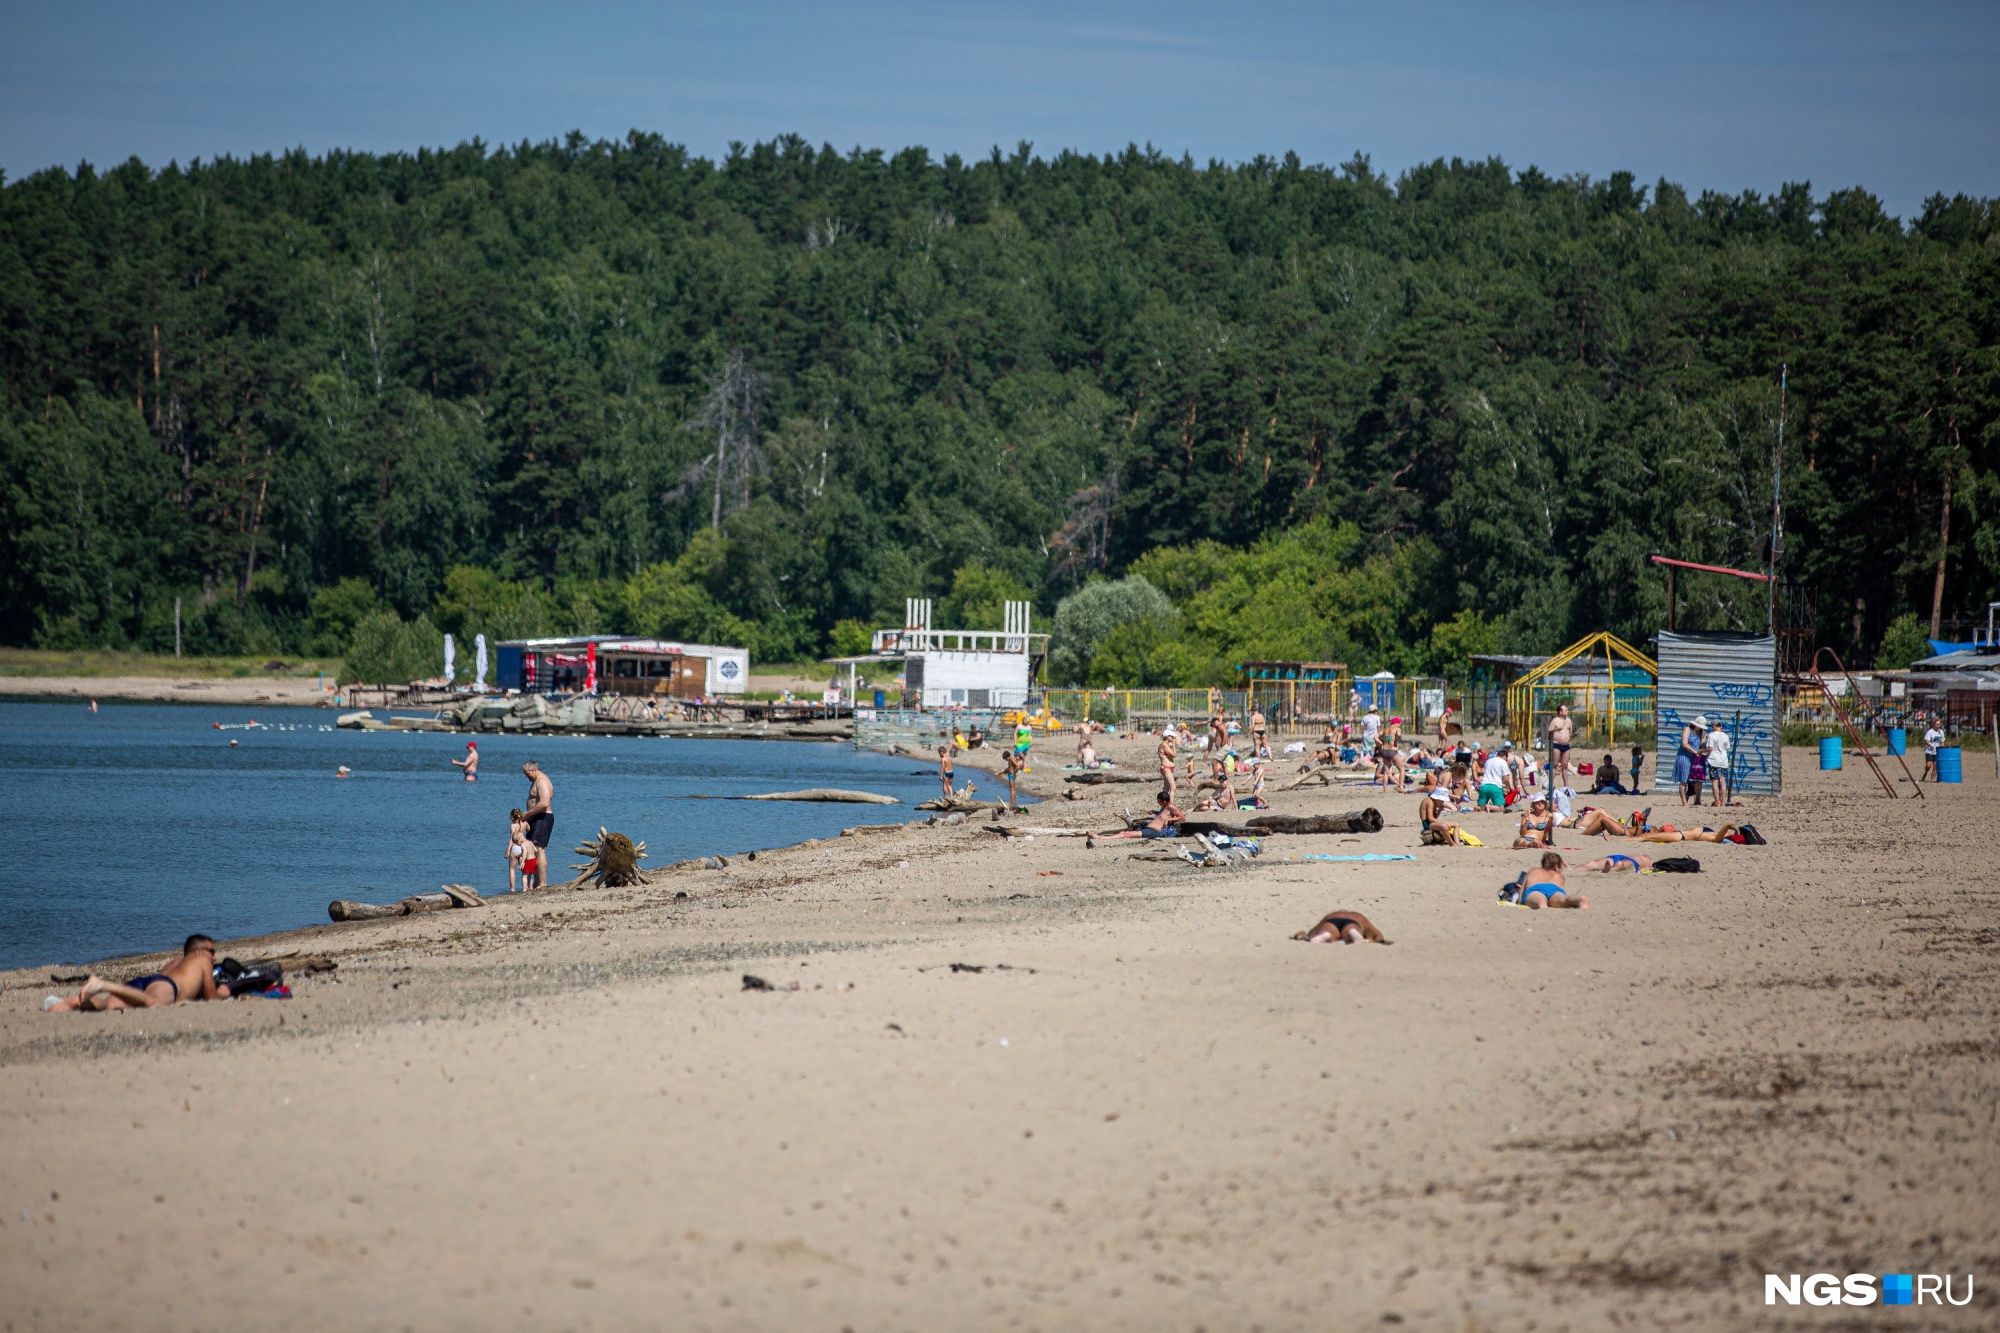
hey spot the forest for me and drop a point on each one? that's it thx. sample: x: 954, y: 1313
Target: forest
x: 1214, y: 410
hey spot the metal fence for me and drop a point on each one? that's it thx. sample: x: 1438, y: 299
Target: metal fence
x: 1289, y: 705
x: 1141, y: 707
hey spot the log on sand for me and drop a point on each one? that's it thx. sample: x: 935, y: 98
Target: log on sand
x: 447, y: 897
x: 1100, y: 779
x: 1354, y: 821
x: 1368, y: 820
x: 833, y: 794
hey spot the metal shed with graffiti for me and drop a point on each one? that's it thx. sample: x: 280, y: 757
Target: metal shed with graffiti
x: 1731, y: 679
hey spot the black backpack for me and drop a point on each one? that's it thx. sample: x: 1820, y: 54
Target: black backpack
x: 251, y: 980
x: 1677, y: 865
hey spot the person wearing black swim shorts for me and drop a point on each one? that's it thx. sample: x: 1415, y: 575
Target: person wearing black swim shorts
x: 189, y: 977
x: 541, y: 817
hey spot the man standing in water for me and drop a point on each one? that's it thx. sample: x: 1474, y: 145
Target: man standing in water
x: 541, y: 817
x: 470, y: 763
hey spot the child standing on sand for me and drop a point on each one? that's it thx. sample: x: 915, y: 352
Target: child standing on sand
x: 518, y: 852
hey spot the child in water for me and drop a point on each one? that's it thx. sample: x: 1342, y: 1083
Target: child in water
x: 944, y: 769
x: 519, y: 849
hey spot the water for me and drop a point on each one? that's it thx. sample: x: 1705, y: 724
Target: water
x: 129, y: 828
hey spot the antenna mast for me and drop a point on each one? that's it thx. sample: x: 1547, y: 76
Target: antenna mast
x: 1777, y: 509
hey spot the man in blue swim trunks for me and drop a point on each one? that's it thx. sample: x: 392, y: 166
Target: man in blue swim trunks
x: 189, y: 977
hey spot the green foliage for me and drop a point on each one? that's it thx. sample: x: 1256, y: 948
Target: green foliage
x: 387, y: 650
x: 978, y: 598
x: 1495, y: 391
x: 1453, y: 643
x: 671, y: 600
x: 338, y: 611
x: 852, y: 638
x: 1087, y: 617
x: 1310, y: 593
x: 1903, y: 644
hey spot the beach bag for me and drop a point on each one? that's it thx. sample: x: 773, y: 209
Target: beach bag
x: 1677, y: 865
x: 1750, y: 835
x: 250, y: 980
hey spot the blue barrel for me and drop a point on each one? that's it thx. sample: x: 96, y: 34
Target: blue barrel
x: 1948, y: 764
x: 1829, y: 753
x: 1898, y: 738
x: 879, y: 702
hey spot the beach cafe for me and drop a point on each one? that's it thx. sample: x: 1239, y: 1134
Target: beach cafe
x: 609, y: 664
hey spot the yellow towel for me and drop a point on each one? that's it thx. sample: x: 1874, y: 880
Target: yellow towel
x: 1469, y: 840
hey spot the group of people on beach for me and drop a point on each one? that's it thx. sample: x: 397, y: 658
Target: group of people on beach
x: 1225, y: 765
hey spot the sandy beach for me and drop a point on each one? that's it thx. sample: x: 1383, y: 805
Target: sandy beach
x: 1139, y: 1104
x: 224, y: 690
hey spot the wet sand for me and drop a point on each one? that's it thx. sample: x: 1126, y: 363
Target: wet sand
x: 1151, y: 1110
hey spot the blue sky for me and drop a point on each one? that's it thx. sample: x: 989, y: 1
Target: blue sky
x: 1903, y: 99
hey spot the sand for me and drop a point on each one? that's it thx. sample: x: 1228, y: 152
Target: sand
x: 1151, y: 1110
x: 222, y: 690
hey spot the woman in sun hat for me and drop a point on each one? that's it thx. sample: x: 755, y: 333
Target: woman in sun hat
x: 1689, y: 769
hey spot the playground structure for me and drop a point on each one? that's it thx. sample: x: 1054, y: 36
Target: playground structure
x: 1605, y: 705
x: 1844, y: 707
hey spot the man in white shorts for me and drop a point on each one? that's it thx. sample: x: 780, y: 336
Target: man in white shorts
x: 1718, y: 766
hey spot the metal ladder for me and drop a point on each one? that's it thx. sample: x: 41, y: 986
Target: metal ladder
x: 1842, y: 710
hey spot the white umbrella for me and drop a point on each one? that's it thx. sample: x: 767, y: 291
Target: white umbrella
x: 479, y: 647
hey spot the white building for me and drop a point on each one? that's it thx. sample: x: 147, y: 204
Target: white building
x: 958, y: 668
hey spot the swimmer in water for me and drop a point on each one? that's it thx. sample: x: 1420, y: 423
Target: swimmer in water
x: 342, y: 772
x: 470, y: 763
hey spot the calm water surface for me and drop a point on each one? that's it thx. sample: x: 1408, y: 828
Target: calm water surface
x: 129, y: 828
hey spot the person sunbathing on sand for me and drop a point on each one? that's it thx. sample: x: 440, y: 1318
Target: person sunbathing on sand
x: 1432, y: 811
x: 1165, y: 822
x: 1537, y: 828
x: 189, y: 977
x: 1348, y: 927
x: 1618, y: 861
x: 1671, y: 834
x: 1595, y: 823
x: 1543, y: 887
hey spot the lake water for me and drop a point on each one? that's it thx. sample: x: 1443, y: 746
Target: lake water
x: 129, y: 828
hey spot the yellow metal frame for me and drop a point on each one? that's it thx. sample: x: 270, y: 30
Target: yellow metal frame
x: 1600, y: 701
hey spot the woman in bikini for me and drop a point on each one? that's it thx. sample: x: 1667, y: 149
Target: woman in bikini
x: 1537, y: 828
x: 1671, y: 834
x: 1619, y: 861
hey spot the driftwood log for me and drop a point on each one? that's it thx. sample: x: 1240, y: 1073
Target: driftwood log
x: 447, y: 897
x: 1368, y: 820
x: 1102, y: 779
x: 1354, y: 821
x: 960, y: 800
x: 614, y: 861
x: 831, y: 794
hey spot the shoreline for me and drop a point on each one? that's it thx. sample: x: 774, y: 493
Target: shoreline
x: 1025, y: 1081
x: 287, y: 691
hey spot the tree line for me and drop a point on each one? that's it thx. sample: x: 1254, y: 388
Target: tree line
x: 1313, y: 411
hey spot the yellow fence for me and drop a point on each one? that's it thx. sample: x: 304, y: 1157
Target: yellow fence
x: 1136, y: 706
x: 1292, y: 706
